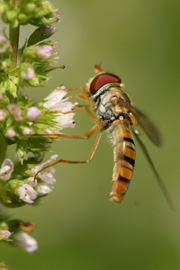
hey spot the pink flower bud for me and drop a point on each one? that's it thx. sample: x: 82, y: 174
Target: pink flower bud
x: 4, y: 234
x: 3, y: 115
x: 45, y: 52
x: 27, y: 131
x: 28, y: 74
x: 33, y: 113
x: 10, y: 133
x: 15, y: 110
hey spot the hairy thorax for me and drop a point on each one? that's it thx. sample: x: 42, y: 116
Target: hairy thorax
x: 112, y: 105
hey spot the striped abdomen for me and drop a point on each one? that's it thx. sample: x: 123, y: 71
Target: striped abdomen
x: 124, y: 158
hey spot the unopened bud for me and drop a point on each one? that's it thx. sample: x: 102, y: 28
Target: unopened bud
x: 3, y: 115
x: 10, y: 133
x: 33, y: 113
x: 28, y: 74
x: 45, y: 52
x: 4, y: 234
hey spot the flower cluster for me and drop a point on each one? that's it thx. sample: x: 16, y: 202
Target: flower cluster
x: 15, y: 192
x: 29, y: 126
x: 33, y: 12
x: 17, y: 233
x: 24, y: 118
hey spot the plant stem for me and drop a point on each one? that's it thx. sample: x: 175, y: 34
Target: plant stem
x: 14, y: 38
x: 3, y: 148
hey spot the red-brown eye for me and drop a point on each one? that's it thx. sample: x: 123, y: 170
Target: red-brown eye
x: 101, y: 80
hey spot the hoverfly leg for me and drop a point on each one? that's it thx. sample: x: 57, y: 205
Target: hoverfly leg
x: 84, y: 136
x: 159, y: 179
x: 75, y: 162
x: 85, y: 95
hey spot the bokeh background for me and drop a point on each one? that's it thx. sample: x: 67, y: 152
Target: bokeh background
x: 77, y: 226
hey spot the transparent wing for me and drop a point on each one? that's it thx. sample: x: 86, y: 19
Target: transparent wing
x: 148, y: 126
x: 160, y: 181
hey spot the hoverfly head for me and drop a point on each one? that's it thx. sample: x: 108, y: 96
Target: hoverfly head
x: 101, y: 79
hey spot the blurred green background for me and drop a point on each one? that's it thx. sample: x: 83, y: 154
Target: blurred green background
x: 77, y: 226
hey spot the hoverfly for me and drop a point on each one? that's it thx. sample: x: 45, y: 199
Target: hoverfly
x: 118, y: 115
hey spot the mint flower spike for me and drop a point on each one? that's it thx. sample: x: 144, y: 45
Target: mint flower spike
x: 6, y: 170
x: 25, y: 241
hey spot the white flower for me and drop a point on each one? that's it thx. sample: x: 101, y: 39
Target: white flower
x: 65, y: 121
x: 33, y: 113
x: 43, y: 188
x: 47, y: 177
x: 43, y: 164
x: 25, y: 241
x: 56, y: 102
x: 6, y: 170
x: 4, y: 234
x: 48, y: 182
x: 30, y: 181
x: 27, y: 193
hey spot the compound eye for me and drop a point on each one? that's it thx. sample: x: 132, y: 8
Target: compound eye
x: 101, y: 80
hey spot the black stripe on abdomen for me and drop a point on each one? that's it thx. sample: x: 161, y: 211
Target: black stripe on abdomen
x: 129, y: 160
x: 120, y: 178
x: 128, y: 140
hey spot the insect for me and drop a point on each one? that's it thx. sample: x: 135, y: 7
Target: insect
x: 117, y: 114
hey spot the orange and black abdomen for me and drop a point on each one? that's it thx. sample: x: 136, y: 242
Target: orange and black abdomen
x: 124, y: 159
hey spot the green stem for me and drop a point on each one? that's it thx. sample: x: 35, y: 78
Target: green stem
x: 14, y: 38
x: 3, y: 148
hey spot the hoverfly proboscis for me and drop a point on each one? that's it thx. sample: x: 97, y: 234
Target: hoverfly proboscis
x: 118, y: 115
